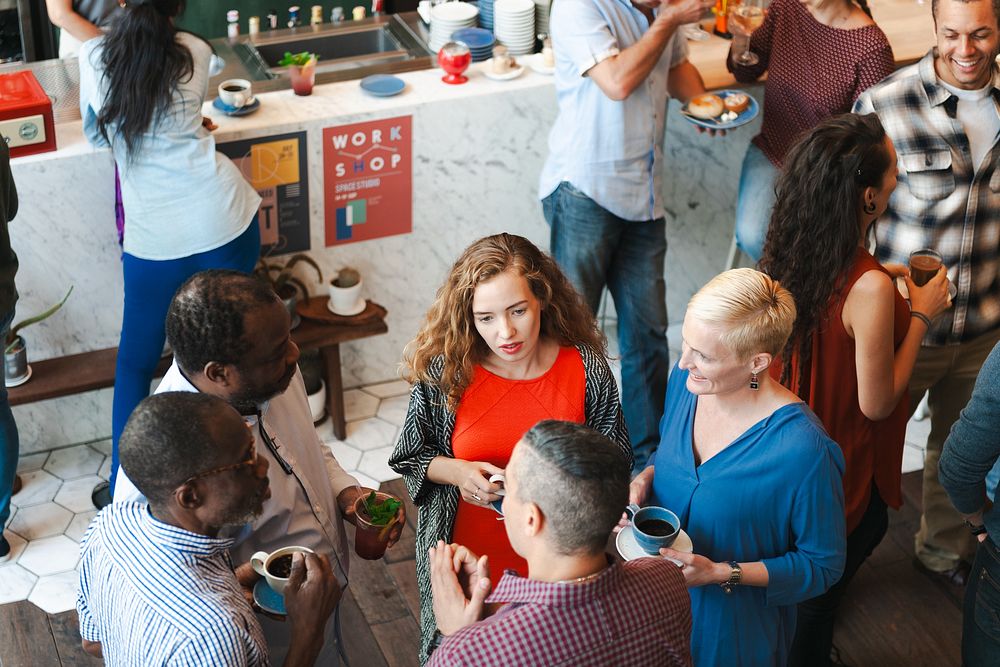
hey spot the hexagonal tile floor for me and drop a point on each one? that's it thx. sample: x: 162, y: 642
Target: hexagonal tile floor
x: 51, y: 513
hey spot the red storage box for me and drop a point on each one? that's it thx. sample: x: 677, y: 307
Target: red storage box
x: 25, y: 115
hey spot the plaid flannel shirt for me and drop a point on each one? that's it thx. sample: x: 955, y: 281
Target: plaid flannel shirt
x: 941, y: 201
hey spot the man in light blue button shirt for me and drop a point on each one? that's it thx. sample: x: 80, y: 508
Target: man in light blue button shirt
x: 617, y: 64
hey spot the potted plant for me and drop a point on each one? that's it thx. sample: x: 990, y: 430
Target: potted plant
x: 345, y: 292
x: 284, y: 283
x: 16, y: 369
x: 301, y: 70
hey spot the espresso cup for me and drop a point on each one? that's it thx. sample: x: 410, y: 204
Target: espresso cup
x: 924, y: 265
x: 498, y: 504
x: 263, y: 562
x: 235, y: 93
x: 501, y: 60
x: 648, y: 527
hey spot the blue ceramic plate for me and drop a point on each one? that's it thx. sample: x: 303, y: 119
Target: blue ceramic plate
x: 236, y: 111
x: 383, y: 85
x: 268, y: 599
x: 743, y: 118
x: 475, y: 38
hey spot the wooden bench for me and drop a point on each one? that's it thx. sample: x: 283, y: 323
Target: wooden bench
x: 87, y: 371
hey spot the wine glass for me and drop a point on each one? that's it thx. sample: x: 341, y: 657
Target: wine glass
x: 745, y: 16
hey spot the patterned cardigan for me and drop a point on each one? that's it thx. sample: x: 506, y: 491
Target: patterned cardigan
x: 427, y: 433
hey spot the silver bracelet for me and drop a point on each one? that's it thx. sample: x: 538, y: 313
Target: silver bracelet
x: 920, y: 316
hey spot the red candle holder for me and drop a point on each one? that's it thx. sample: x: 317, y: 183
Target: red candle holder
x: 454, y: 58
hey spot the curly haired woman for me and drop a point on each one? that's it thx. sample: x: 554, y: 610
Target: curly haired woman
x: 507, y: 343
x: 855, y: 341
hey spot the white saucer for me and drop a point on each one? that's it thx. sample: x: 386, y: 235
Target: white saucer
x: 362, y: 304
x: 630, y: 549
x: 536, y: 61
x: 506, y: 76
x: 17, y: 382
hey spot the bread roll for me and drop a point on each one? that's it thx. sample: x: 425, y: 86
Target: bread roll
x: 706, y: 106
x: 736, y: 102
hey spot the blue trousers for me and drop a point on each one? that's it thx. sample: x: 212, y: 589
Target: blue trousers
x: 149, y: 287
x: 754, y: 202
x: 596, y: 248
x: 9, y: 445
x: 981, y: 615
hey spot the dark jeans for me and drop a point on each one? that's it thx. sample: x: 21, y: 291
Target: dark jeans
x: 814, y: 622
x: 981, y: 616
x: 595, y: 248
x: 8, y: 439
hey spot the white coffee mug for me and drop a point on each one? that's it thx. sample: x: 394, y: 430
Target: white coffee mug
x: 346, y: 300
x: 498, y: 504
x: 261, y: 562
x: 235, y: 93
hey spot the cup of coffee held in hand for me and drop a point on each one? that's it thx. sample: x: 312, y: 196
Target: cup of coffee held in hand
x: 924, y: 265
x: 654, y: 527
x: 235, y: 93
x: 276, y: 566
x: 498, y: 504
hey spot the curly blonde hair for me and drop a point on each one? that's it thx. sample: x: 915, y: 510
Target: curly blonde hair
x: 449, y: 331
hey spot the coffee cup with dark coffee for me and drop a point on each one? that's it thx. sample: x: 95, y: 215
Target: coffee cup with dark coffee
x: 924, y: 265
x: 276, y: 566
x: 235, y: 93
x: 654, y: 527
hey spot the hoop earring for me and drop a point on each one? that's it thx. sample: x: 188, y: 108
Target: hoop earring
x: 869, y: 208
x: 754, y: 384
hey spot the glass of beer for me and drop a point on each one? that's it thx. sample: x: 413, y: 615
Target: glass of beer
x: 924, y: 265
x: 745, y: 16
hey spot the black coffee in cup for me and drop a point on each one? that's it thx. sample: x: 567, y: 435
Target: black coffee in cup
x: 281, y: 566
x: 233, y: 89
x: 656, y: 527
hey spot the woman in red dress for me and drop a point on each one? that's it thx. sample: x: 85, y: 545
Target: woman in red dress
x: 507, y: 343
x: 855, y: 341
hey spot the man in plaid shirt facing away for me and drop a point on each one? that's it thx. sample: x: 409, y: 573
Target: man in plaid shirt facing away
x: 565, y: 489
x: 942, y: 116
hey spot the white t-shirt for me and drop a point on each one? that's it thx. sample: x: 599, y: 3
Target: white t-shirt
x: 977, y: 112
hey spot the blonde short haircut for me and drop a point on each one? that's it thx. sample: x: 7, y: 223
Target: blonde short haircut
x: 755, y: 312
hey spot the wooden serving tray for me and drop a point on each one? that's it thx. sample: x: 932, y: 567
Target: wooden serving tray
x: 315, y: 308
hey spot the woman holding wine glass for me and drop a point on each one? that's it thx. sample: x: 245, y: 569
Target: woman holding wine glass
x: 819, y: 56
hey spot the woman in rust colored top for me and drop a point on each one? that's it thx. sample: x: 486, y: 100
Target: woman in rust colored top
x: 819, y: 55
x: 855, y: 341
x: 507, y: 343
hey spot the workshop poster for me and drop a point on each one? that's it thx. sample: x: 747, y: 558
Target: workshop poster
x: 276, y: 167
x: 368, y: 180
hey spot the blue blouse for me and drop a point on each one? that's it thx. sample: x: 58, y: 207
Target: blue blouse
x: 773, y: 495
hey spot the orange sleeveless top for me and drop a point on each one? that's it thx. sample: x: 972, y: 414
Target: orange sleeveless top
x: 873, y: 451
x: 492, y: 416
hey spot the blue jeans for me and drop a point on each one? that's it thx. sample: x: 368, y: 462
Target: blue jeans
x: 981, y: 616
x: 9, y: 444
x: 596, y: 248
x: 149, y: 287
x: 754, y: 202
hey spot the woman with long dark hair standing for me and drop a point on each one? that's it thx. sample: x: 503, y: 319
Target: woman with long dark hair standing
x: 855, y: 341
x: 187, y: 207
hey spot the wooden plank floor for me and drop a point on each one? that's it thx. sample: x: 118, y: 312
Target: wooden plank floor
x: 893, y: 615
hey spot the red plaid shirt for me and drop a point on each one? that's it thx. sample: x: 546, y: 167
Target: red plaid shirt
x: 635, y: 614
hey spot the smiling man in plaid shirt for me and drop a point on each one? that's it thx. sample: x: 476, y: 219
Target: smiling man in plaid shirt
x: 566, y: 487
x: 942, y: 115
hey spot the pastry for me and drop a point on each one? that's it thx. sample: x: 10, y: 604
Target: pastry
x: 736, y: 102
x: 706, y: 106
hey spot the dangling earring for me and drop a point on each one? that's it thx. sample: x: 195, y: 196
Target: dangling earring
x: 754, y: 384
x: 870, y: 207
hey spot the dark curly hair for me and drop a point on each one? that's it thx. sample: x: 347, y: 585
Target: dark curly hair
x: 450, y: 332
x: 206, y: 316
x: 815, y: 227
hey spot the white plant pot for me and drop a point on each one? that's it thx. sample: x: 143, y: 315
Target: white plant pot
x: 317, y: 404
x: 346, y: 300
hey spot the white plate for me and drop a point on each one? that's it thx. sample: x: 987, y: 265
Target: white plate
x: 514, y: 6
x: 536, y: 61
x: 454, y: 11
x: 506, y: 76
x: 630, y: 549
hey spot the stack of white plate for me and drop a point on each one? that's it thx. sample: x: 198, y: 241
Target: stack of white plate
x: 448, y: 17
x: 514, y: 25
x: 542, y: 8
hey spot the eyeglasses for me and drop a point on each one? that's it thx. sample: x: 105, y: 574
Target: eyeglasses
x: 249, y: 462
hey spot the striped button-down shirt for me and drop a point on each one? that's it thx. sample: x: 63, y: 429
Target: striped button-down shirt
x: 154, y: 594
x: 636, y: 614
x: 942, y: 201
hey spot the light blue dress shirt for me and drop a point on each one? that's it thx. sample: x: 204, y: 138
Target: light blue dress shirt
x: 611, y: 151
x: 181, y: 197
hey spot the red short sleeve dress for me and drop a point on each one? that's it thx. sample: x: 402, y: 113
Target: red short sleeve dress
x: 492, y: 416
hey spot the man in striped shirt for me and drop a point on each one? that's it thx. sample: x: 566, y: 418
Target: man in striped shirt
x: 156, y: 582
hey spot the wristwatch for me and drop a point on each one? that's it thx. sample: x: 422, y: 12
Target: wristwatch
x: 976, y: 530
x: 734, y: 577
x: 435, y: 642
